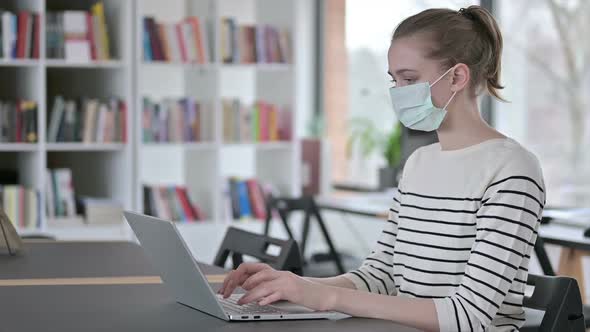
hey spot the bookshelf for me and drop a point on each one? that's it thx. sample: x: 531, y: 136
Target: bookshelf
x: 203, y: 167
x: 120, y: 170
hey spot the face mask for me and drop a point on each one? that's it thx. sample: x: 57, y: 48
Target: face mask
x: 414, y: 108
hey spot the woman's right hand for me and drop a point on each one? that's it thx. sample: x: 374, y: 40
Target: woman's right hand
x: 237, y: 277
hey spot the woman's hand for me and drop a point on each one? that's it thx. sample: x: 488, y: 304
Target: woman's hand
x: 266, y: 285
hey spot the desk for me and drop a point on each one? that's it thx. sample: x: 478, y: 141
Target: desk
x: 137, y: 307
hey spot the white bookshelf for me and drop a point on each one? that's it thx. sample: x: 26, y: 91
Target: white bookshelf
x: 99, y: 170
x: 204, y: 167
x: 119, y: 170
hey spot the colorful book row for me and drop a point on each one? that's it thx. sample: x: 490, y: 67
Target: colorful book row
x: 170, y: 120
x: 170, y: 203
x: 22, y: 205
x: 87, y: 120
x: 260, y: 122
x: 78, y: 35
x: 248, y: 199
x: 19, y: 35
x: 186, y: 41
x: 254, y: 43
x: 18, y: 121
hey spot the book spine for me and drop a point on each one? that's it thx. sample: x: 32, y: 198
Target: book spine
x: 90, y: 36
x: 245, y: 209
x: 123, y: 122
x: 21, y: 35
x: 256, y: 199
x: 235, y: 198
x: 36, y: 35
x: 185, y: 204
x: 147, y: 45
x: 98, y: 11
x: 181, y: 42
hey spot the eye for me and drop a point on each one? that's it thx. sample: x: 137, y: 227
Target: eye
x: 409, y: 80
x: 393, y: 83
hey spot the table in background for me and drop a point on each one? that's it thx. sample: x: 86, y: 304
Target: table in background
x: 118, y: 307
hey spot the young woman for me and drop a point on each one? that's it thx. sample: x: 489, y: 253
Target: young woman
x: 453, y: 255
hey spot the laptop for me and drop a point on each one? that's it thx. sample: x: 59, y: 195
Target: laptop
x: 168, y: 252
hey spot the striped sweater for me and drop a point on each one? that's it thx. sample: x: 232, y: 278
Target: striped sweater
x: 461, y: 231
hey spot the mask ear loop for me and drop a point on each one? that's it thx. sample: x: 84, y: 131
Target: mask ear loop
x: 450, y: 99
x: 443, y: 75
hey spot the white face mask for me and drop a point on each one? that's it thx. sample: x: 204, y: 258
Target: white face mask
x: 414, y: 108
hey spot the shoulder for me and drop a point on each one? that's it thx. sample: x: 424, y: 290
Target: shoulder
x: 511, y: 163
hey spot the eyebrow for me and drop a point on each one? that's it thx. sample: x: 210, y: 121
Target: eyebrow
x: 401, y: 71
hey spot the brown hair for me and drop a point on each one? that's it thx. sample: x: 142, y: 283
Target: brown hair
x: 470, y: 36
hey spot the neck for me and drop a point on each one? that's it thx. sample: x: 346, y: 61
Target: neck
x: 463, y: 126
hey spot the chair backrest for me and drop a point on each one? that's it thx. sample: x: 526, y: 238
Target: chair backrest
x: 560, y: 298
x: 239, y: 242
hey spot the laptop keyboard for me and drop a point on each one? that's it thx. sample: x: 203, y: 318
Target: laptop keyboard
x: 231, y: 304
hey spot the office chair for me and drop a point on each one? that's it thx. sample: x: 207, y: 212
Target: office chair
x: 238, y: 243
x: 285, y: 206
x: 548, y: 270
x: 561, y: 304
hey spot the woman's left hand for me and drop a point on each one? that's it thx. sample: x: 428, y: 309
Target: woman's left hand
x: 268, y: 286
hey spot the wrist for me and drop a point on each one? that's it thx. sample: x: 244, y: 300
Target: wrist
x: 330, y: 298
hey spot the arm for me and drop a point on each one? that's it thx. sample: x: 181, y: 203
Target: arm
x: 373, y: 274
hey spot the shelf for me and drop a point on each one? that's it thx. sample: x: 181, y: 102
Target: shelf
x: 259, y: 66
x: 261, y: 145
x: 180, y: 145
x: 19, y: 147
x: 183, y: 65
x: 81, y: 147
x: 19, y: 63
x: 59, y: 63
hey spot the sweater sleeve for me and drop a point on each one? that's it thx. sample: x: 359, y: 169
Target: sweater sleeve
x: 376, y: 272
x: 507, y: 224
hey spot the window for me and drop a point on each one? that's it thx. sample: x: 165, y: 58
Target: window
x: 546, y: 71
x: 356, y: 87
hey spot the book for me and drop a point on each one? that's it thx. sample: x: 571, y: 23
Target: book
x: 97, y: 10
x: 253, y: 43
x: 170, y: 203
x: 75, y: 29
x: 100, y: 211
x: 185, y: 41
x: 74, y: 35
x: 65, y: 203
x: 86, y: 120
x: 245, y: 199
x: 176, y: 120
x: 18, y: 121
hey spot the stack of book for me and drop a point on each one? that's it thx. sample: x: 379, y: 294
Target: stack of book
x: 78, y: 35
x: 59, y: 192
x: 169, y: 120
x: 247, y: 199
x: 260, y: 122
x: 88, y: 121
x: 100, y: 211
x: 18, y: 121
x: 186, y: 41
x: 19, y: 35
x: 254, y: 43
x: 22, y: 205
x: 170, y: 203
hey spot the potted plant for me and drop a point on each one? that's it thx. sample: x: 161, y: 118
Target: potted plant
x: 369, y: 138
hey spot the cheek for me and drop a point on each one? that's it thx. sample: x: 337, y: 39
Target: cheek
x: 440, y: 95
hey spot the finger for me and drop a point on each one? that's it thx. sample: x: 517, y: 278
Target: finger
x: 272, y: 298
x: 229, y: 289
x: 262, y: 276
x: 225, y: 281
x: 259, y: 292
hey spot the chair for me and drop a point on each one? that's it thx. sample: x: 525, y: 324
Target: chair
x: 239, y: 242
x: 560, y: 299
x: 548, y: 271
x: 285, y: 206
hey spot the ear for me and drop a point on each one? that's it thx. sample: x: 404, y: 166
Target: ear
x: 461, y: 77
